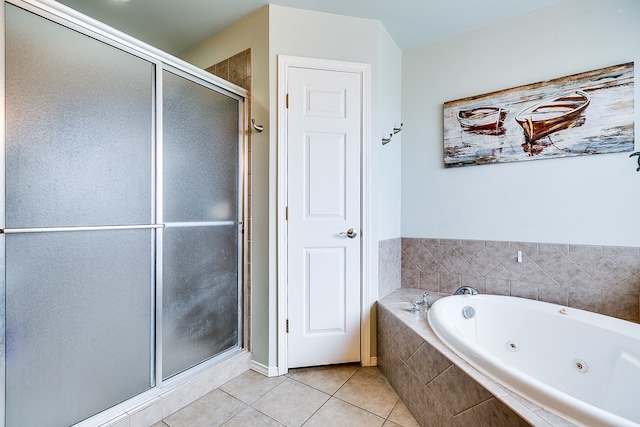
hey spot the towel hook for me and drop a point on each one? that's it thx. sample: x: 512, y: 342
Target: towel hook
x: 258, y: 128
x: 637, y: 153
x: 385, y: 141
x: 398, y: 130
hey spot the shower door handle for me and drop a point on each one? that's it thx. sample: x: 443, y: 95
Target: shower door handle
x: 350, y: 233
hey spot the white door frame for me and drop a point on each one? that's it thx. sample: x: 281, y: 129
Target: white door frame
x: 284, y: 63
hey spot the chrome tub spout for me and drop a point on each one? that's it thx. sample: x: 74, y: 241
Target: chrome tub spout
x: 468, y: 290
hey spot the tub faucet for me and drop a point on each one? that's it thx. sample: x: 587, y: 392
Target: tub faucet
x: 466, y: 290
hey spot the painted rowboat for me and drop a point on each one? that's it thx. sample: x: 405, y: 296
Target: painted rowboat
x: 552, y: 114
x: 482, y: 118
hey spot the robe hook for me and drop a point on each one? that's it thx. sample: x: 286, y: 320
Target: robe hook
x: 258, y: 128
x: 637, y: 153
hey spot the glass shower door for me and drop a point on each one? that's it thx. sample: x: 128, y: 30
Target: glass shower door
x: 120, y: 247
x: 201, y: 315
x: 78, y: 231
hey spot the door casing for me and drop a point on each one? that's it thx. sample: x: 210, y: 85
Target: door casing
x: 286, y: 62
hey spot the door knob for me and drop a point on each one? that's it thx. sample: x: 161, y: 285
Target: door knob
x: 350, y: 233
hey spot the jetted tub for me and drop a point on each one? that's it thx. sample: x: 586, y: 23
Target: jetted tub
x: 580, y: 365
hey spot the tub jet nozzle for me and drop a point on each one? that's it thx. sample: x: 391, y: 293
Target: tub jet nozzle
x: 468, y: 312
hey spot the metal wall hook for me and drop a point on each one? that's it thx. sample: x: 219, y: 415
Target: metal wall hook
x: 637, y: 153
x: 258, y: 128
x: 385, y: 141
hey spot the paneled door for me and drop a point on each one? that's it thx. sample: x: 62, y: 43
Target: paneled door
x: 324, y: 134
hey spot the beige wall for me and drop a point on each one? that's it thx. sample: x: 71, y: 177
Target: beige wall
x: 252, y: 32
x: 277, y: 30
x: 322, y: 35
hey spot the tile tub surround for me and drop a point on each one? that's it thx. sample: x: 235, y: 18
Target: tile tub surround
x: 602, y: 279
x: 437, y: 386
x: 389, y: 266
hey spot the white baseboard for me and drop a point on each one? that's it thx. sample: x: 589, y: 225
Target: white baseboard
x: 268, y: 371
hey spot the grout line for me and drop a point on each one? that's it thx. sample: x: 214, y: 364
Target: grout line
x: 358, y: 369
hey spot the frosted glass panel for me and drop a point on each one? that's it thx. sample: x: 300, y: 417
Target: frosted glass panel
x: 78, y: 128
x: 201, y: 155
x: 78, y: 323
x: 80, y: 305
x: 200, y: 312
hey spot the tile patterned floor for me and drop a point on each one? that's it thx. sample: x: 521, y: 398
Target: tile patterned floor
x: 336, y: 396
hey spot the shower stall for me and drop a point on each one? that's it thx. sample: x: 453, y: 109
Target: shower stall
x: 121, y: 235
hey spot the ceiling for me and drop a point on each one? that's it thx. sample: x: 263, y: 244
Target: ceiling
x: 176, y: 25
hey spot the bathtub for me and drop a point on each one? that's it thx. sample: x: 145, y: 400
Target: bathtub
x: 580, y: 365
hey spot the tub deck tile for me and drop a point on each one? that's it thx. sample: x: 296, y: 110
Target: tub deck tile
x: 553, y: 420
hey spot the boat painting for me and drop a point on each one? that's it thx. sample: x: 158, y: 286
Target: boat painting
x: 553, y: 114
x: 580, y: 114
x: 483, y: 119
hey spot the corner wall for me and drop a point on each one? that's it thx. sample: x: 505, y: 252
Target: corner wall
x: 587, y: 200
x: 305, y: 33
x: 252, y: 32
x: 276, y: 30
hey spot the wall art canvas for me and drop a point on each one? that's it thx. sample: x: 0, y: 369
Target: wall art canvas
x: 581, y: 114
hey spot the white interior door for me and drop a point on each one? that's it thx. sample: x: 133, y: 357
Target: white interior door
x: 324, y: 135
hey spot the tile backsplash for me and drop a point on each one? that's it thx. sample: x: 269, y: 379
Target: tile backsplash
x: 603, y: 279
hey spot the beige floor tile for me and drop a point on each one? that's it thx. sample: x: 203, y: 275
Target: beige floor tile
x: 369, y: 392
x: 251, y: 418
x: 325, y: 378
x: 251, y: 386
x: 362, y: 398
x: 401, y: 416
x: 373, y: 370
x: 213, y: 409
x: 291, y: 403
x: 337, y: 413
